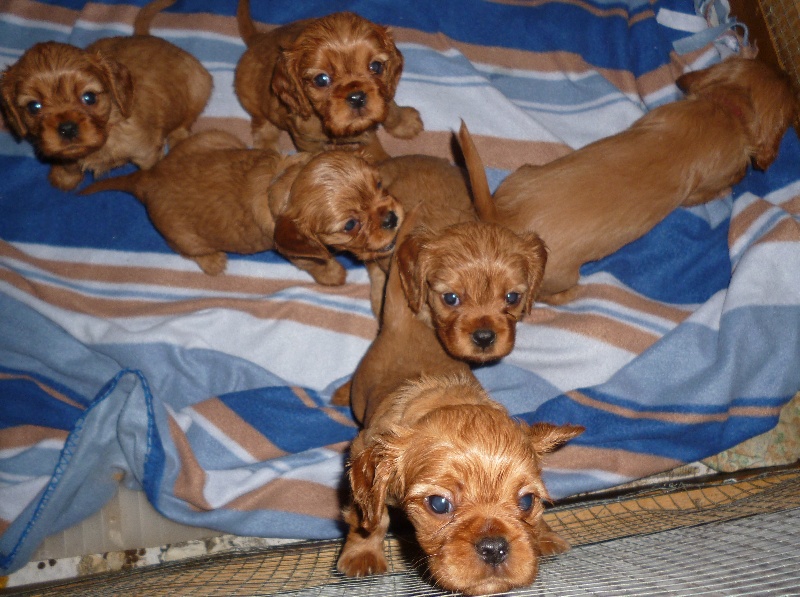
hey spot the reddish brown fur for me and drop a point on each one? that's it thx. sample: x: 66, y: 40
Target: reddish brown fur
x: 211, y: 196
x: 443, y: 436
x: 274, y: 83
x: 597, y: 199
x: 148, y: 93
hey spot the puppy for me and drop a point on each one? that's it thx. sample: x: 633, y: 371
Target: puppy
x: 328, y: 81
x: 468, y: 477
x: 211, y: 195
x: 597, y: 199
x: 118, y: 101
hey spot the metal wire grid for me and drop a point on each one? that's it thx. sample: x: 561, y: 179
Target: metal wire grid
x: 783, y: 22
x: 644, y: 543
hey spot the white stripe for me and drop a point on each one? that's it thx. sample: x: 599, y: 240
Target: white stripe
x: 680, y: 21
x: 45, y: 444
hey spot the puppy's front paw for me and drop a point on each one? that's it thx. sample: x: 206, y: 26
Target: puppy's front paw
x: 329, y: 274
x: 406, y: 123
x: 363, y: 561
x: 65, y: 177
x: 213, y: 264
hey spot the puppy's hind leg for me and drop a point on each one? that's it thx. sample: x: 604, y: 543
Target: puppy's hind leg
x: 362, y: 553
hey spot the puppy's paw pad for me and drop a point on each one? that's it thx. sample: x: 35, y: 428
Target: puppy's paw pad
x: 407, y: 126
x: 361, y: 563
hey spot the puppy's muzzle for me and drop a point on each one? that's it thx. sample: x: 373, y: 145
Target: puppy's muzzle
x: 68, y: 130
x: 357, y: 100
x: 493, y: 550
x: 389, y: 221
x: 483, y: 338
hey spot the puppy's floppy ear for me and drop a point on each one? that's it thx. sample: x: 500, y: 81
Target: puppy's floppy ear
x: 548, y: 437
x: 771, y: 122
x: 117, y: 79
x: 412, y: 268
x: 288, y: 85
x: 9, y: 105
x: 292, y: 239
x: 536, y: 260
x: 394, y: 65
x: 370, y: 472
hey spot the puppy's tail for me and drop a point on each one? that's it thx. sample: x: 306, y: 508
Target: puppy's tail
x: 128, y: 183
x: 481, y: 195
x: 141, y: 25
x: 247, y: 28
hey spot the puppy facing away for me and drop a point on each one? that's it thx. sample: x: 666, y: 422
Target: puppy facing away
x: 590, y: 203
x: 211, y: 195
x: 328, y: 81
x: 468, y: 477
x: 118, y: 101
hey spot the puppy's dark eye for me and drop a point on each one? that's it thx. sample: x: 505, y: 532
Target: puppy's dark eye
x: 512, y: 298
x: 376, y: 67
x: 350, y: 225
x: 89, y: 98
x: 525, y: 503
x: 439, y: 504
x: 451, y: 299
x: 34, y: 108
x: 322, y: 80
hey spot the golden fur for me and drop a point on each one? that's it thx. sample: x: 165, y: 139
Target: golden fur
x: 327, y: 81
x: 118, y: 101
x: 468, y: 477
x: 597, y: 199
x: 212, y: 195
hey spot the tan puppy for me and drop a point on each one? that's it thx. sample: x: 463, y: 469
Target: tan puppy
x: 118, y: 101
x: 597, y: 199
x: 466, y: 474
x: 328, y: 81
x: 212, y: 195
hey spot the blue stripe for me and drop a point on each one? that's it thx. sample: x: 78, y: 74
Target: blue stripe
x: 23, y: 402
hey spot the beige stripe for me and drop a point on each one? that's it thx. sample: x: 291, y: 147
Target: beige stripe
x: 599, y: 12
x: 308, y: 401
x: 605, y: 329
x: 51, y: 13
x: 21, y: 436
x: 742, y: 222
x: 677, y: 418
x: 792, y: 205
x: 191, y: 479
x: 292, y: 495
x: 238, y: 430
x: 785, y: 231
x: 621, y: 462
x: 45, y: 388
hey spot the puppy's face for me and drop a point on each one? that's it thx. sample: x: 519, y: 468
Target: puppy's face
x: 337, y: 203
x: 61, y: 98
x: 342, y: 68
x: 469, y: 479
x: 472, y: 282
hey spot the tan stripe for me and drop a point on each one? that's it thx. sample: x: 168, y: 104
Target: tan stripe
x: 621, y: 462
x: 742, y: 222
x: 340, y: 447
x: 792, y: 206
x: 599, y: 327
x: 308, y: 401
x: 191, y: 479
x: 599, y: 12
x: 784, y: 231
x: 238, y: 430
x: 40, y: 11
x: 677, y: 418
x: 292, y: 495
x: 45, y: 388
x: 124, y: 274
x: 22, y: 436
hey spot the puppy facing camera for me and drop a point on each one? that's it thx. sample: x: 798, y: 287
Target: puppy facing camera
x: 328, y: 82
x: 118, y: 101
x: 467, y: 475
x: 211, y: 195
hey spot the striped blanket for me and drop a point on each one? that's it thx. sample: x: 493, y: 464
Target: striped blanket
x: 120, y: 362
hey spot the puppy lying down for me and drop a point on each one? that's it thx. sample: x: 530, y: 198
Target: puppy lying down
x: 211, y: 195
x: 595, y: 200
x: 468, y: 477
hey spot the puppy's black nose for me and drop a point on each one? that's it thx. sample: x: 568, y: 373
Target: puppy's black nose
x: 68, y: 129
x: 492, y: 550
x: 389, y: 221
x: 357, y: 99
x: 484, y: 338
